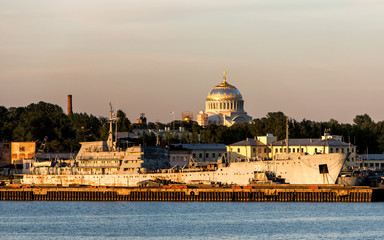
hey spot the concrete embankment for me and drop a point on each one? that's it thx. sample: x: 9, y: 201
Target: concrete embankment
x: 276, y: 193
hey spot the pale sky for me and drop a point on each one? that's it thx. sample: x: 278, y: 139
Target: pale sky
x: 313, y: 59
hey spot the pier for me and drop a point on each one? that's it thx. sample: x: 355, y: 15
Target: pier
x: 299, y: 193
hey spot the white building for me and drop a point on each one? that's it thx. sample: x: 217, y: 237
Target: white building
x: 224, y: 106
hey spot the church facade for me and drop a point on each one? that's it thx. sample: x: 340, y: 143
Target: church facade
x: 224, y: 106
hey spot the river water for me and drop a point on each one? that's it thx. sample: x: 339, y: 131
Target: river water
x: 190, y: 220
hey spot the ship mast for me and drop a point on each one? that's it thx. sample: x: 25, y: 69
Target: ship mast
x: 287, y: 133
x: 112, y: 118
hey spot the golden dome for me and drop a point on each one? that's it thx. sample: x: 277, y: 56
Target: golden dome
x: 224, y: 92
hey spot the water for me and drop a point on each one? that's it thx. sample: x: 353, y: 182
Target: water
x: 190, y: 220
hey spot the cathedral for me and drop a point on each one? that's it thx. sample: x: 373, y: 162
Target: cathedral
x: 224, y: 106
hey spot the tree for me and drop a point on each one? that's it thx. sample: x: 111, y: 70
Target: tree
x: 124, y: 125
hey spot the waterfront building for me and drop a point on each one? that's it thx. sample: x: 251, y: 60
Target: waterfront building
x: 265, y: 147
x: 251, y: 148
x: 200, y: 152
x: 21, y: 151
x: 324, y: 145
x: 371, y: 161
x: 224, y: 106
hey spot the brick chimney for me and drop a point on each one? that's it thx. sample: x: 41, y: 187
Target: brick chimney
x: 69, y: 104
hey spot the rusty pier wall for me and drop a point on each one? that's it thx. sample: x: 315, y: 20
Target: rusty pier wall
x: 291, y: 194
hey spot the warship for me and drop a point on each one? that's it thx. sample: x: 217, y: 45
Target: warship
x: 102, y: 163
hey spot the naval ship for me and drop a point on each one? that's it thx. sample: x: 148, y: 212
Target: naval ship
x: 102, y: 163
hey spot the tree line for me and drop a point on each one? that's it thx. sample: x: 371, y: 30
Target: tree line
x: 37, y: 120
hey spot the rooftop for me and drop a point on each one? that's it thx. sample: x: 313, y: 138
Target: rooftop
x: 312, y: 142
x: 249, y: 142
x: 202, y: 146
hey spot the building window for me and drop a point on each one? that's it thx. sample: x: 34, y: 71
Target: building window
x: 200, y: 155
x: 342, y: 150
x: 259, y: 150
x: 238, y: 150
x: 265, y: 150
x: 293, y: 150
x: 207, y: 155
x: 21, y: 149
x: 315, y: 150
x: 213, y: 155
x: 331, y: 150
x: 194, y: 155
x: 337, y: 150
x: 276, y: 150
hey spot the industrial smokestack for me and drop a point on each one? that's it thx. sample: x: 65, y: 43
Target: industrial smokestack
x: 69, y: 104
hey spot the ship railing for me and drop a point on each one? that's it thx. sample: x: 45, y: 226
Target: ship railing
x: 99, y: 165
x: 98, y: 158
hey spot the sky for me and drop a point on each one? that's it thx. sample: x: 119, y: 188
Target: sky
x: 317, y: 59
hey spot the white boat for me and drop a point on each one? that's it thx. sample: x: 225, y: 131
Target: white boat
x: 294, y: 168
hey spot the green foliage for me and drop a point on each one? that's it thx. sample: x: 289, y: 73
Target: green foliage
x: 37, y: 120
x: 124, y: 125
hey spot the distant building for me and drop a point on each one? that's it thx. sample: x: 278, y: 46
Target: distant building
x: 202, y: 118
x: 142, y: 119
x: 201, y: 152
x: 266, y: 147
x: 187, y: 116
x: 251, y: 148
x: 21, y: 151
x: 371, y: 161
x: 224, y: 106
x: 163, y: 133
x: 326, y: 144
